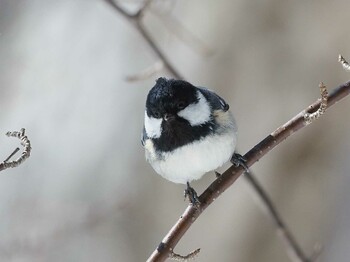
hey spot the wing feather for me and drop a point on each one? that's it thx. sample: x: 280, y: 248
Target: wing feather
x: 215, y: 101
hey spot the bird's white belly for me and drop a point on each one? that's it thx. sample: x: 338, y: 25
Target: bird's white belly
x: 192, y: 161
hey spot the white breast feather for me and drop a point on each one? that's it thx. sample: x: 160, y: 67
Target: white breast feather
x: 192, y: 161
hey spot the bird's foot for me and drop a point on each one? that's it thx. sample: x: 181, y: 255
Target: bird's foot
x: 239, y: 160
x: 192, y: 195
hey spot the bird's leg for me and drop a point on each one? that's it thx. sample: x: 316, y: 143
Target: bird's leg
x: 239, y: 160
x: 192, y: 195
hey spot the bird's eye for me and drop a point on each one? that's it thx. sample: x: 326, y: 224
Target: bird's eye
x: 181, y: 105
x: 157, y: 114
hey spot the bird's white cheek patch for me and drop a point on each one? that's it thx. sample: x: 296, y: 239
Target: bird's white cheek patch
x: 198, y: 113
x: 153, y: 126
x: 150, y: 151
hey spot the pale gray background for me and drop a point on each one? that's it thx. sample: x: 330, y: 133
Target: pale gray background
x: 87, y: 194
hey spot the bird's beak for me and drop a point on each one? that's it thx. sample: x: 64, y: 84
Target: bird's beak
x: 168, y: 117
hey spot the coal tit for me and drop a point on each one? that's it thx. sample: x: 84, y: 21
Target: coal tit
x: 187, y: 132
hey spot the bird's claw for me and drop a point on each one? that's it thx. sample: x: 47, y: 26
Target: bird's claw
x: 192, y: 195
x: 239, y: 160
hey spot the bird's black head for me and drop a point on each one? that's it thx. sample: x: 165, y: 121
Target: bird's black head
x: 177, y: 113
x: 169, y: 96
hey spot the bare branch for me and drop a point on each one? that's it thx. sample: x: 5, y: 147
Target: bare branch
x: 344, y: 63
x: 12, y: 154
x: 158, y: 51
x: 145, y: 5
x: 233, y: 173
x: 25, y: 154
x: 309, y: 118
x: 135, y: 20
x: 293, y: 249
x: 190, y: 256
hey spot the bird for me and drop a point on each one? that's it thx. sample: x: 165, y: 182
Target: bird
x: 188, y: 131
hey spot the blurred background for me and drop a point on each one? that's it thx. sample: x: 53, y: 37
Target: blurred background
x: 87, y: 193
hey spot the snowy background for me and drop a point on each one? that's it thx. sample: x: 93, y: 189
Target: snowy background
x: 87, y: 194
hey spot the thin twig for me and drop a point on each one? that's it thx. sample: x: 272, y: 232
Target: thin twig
x: 344, y: 63
x: 309, y: 118
x: 136, y: 20
x: 233, y: 173
x: 190, y: 256
x: 121, y: 10
x: 293, y: 249
x: 158, y: 51
x: 145, y: 5
x: 25, y: 154
x: 12, y: 154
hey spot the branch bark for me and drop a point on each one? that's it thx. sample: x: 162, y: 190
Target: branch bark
x: 161, y: 253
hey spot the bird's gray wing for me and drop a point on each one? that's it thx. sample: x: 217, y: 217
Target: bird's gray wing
x: 215, y: 101
x: 144, y: 136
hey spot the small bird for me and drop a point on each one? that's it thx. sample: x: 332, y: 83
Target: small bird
x: 188, y: 131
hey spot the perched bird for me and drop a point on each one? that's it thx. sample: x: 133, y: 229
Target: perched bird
x: 188, y: 131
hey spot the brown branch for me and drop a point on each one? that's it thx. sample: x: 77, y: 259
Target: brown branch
x: 136, y: 20
x: 233, y: 173
x: 121, y: 10
x: 25, y: 154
